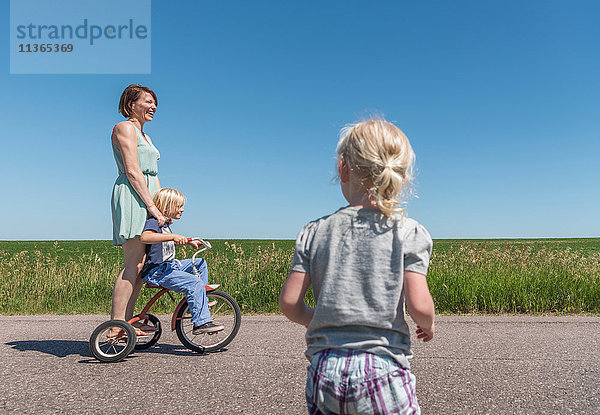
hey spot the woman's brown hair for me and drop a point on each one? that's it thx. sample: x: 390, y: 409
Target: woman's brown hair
x: 130, y: 95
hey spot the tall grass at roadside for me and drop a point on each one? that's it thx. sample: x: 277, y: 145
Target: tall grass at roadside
x: 39, y: 283
x: 464, y: 276
x: 33, y: 282
x: 467, y: 278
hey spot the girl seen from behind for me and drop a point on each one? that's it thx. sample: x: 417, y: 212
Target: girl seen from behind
x: 365, y: 262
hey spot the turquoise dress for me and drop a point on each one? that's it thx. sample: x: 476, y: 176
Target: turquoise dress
x: 129, y: 212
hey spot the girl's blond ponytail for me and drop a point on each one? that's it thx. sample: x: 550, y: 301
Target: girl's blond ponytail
x: 382, y: 157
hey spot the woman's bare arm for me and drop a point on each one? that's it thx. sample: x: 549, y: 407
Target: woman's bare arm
x: 124, y: 136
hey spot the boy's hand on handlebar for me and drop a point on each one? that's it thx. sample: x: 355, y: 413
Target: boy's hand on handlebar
x: 179, y: 239
x: 195, y: 244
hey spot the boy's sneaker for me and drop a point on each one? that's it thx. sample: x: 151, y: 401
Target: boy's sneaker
x: 207, y: 328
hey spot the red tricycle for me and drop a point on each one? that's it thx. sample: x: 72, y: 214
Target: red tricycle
x: 107, y: 347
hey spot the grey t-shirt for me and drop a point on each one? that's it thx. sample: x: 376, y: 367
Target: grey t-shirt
x: 356, y: 259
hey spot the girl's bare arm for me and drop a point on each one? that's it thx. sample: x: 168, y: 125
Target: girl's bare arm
x: 419, y: 304
x: 291, y: 298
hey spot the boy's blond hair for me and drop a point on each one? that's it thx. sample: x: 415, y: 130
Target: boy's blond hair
x: 381, y: 156
x: 168, y: 200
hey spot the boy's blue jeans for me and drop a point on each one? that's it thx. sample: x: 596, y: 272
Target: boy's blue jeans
x: 177, y: 275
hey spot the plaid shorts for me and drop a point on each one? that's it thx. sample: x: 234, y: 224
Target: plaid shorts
x: 344, y: 381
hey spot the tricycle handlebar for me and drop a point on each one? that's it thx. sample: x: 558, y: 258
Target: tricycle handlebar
x: 204, y: 246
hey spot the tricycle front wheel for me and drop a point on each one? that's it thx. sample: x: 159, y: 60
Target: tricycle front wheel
x: 224, y: 310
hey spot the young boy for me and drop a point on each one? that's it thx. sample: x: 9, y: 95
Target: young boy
x: 162, y: 269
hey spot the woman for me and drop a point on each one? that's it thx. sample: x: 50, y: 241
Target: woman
x: 137, y: 160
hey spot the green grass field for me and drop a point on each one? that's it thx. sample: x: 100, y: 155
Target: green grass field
x: 466, y: 276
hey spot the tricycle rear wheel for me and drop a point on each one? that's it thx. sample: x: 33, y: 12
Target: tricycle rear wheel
x: 112, y: 341
x: 146, y: 342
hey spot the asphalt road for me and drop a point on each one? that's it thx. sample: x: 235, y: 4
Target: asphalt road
x: 475, y: 365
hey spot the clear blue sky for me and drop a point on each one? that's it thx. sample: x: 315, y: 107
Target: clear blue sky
x: 499, y: 99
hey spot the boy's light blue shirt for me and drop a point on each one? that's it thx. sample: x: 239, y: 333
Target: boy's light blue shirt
x: 356, y: 259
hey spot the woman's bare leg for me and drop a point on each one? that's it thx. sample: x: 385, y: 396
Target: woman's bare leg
x: 134, y: 295
x: 128, y: 282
